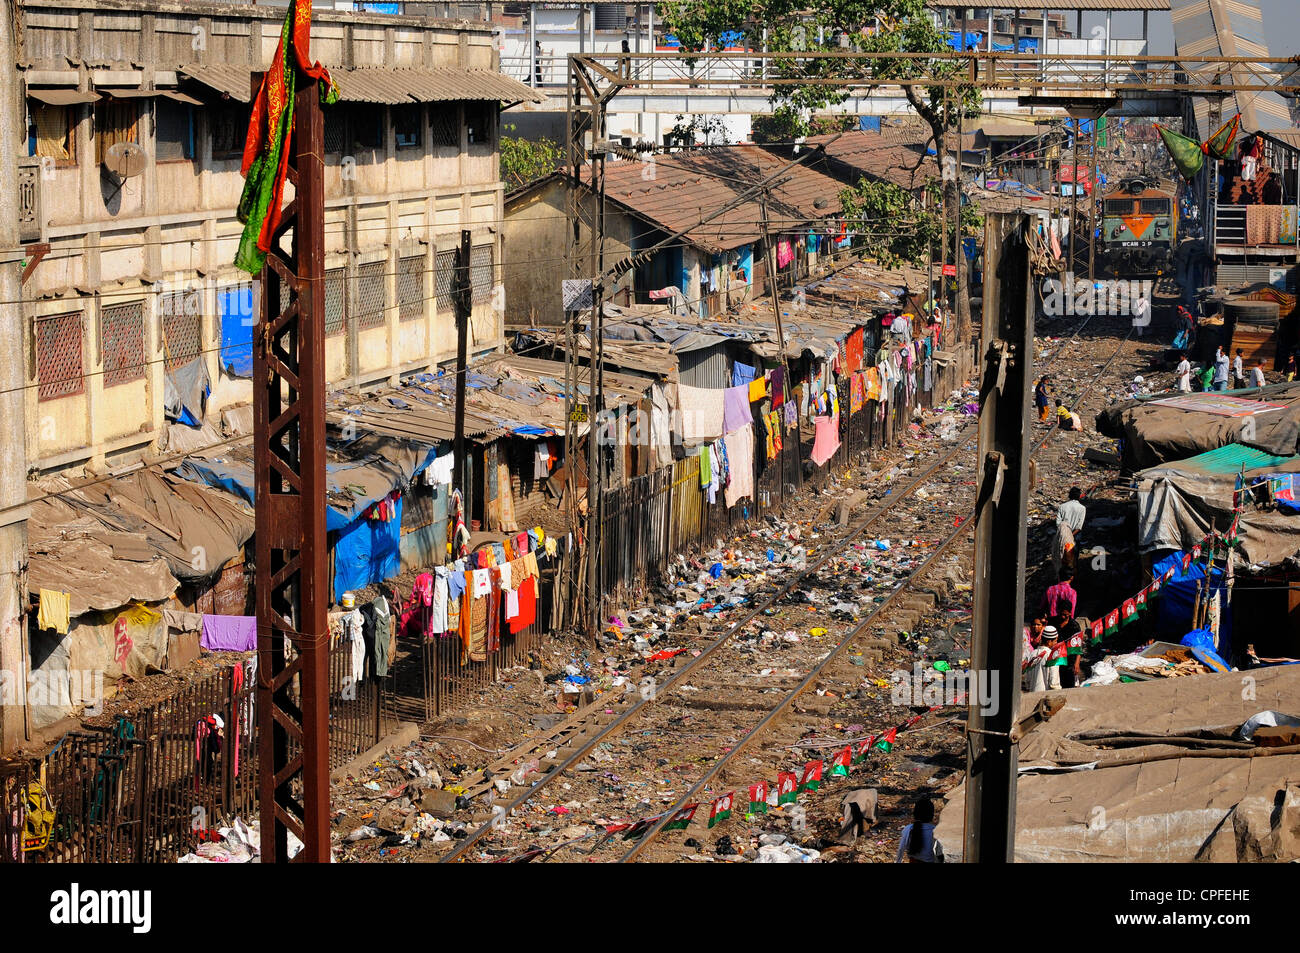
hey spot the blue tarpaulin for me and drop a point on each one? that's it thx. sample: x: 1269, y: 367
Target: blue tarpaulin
x: 973, y: 41
x: 1178, y: 599
x: 366, y: 552
x: 869, y: 123
x: 236, y: 306
x: 237, y: 478
x: 1201, y: 642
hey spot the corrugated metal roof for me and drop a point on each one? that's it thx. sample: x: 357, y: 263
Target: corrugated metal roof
x: 1228, y: 28
x: 389, y: 87
x: 62, y: 97
x: 1228, y: 459
x: 685, y: 187
x: 395, y: 86
x: 894, y: 156
x: 233, y: 81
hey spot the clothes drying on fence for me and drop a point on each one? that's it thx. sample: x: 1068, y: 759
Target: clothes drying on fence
x: 354, y: 625
x: 740, y: 452
x: 527, y: 614
x: 229, y: 633
x: 384, y: 634
x: 735, y: 408
x: 827, y: 440
x: 207, y: 749
x: 776, y: 387
x: 701, y: 414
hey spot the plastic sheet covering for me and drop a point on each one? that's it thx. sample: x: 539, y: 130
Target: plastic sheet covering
x: 1159, y: 807
x: 185, y: 392
x: 368, y: 551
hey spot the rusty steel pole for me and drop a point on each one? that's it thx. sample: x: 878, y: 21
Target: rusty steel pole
x: 462, y: 300
x: 1000, y: 546
x: 292, y: 583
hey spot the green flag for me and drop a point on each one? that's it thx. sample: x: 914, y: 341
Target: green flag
x: 1187, y: 153
x: 721, y: 809
x: 682, y: 819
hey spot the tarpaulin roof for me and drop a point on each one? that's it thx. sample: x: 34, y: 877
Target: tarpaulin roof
x: 131, y: 538
x: 1156, y: 433
x: 1179, y: 502
x: 380, y: 465
x: 1159, y: 805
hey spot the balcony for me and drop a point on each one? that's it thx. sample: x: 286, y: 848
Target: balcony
x: 1255, y: 226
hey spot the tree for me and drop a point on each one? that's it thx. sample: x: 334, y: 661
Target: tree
x: 526, y: 160
x: 787, y: 128
x: 699, y: 130
x: 869, y: 26
x: 891, y: 222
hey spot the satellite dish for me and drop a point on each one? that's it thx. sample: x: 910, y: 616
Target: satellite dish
x: 125, y: 159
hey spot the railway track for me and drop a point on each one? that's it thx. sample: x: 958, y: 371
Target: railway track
x: 508, y: 785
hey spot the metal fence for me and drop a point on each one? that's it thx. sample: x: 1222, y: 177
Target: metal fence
x: 140, y: 788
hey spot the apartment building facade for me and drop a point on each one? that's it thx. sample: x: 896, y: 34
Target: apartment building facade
x: 137, y: 115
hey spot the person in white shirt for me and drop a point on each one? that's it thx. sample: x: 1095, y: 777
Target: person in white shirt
x: 1257, y: 374
x: 1040, y: 676
x: 1072, y: 512
x: 1184, y: 375
x: 1238, y: 375
x: 1141, y: 315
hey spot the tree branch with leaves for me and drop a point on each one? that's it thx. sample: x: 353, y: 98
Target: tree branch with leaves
x: 866, y: 26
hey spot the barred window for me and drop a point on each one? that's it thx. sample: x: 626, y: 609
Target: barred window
x: 228, y: 123
x: 173, y: 130
x: 443, y: 273
x: 121, y: 342
x: 59, y: 369
x: 182, y: 323
x: 481, y: 272
x: 335, y: 301
x: 54, y: 132
x: 116, y: 120
x: 410, y: 287
x: 481, y: 120
x: 408, y: 126
x: 334, y: 131
x: 372, y: 297
x: 446, y: 126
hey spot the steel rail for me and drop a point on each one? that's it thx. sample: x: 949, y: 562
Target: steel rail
x: 966, y: 526
x: 833, y: 550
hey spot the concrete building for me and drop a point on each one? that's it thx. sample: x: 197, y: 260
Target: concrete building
x: 138, y: 279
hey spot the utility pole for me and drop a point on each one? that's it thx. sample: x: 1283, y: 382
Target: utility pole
x: 1074, y: 196
x: 292, y: 582
x: 13, y: 448
x: 1000, y: 548
x: 773, y: 290
x: 463, y: 303
x: 1092, y: 199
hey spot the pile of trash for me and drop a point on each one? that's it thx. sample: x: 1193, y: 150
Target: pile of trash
x: 240, y: 843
